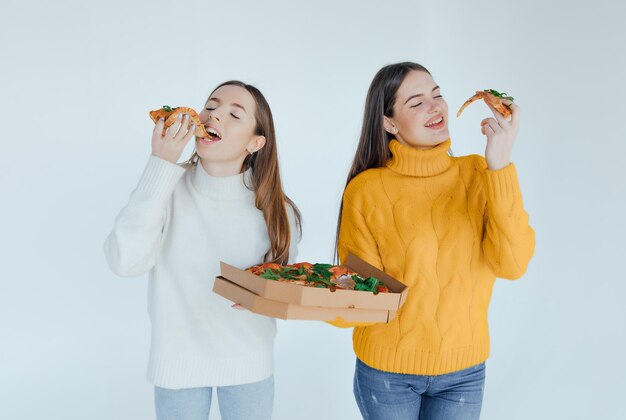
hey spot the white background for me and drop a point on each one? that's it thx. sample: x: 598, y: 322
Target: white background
x: 78, y: 79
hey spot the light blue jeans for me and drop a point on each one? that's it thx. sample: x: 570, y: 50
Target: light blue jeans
x: 384, y: 395
x: 237, y: 402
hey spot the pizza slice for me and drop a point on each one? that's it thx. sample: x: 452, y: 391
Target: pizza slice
x: 170, y: 114
x: 493, y: 98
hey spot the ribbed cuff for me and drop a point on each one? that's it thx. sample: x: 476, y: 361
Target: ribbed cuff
x: 159, y: 178
x: 502, y: 184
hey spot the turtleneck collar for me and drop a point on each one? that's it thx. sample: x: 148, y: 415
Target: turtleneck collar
x: 221, y: 188
x: 407, y: 160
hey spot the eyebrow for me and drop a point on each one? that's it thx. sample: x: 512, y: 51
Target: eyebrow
x: 420, y: 94
x: 233, y: 104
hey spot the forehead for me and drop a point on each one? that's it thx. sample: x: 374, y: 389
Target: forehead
x: 414, y: 83
x: 230, y: 93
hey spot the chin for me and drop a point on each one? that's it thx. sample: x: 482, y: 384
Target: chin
x: 430, y: 139
x: 440, y: 136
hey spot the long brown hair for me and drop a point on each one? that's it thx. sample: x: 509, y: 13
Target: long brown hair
x: 266, y: 181
x: 373, y: 149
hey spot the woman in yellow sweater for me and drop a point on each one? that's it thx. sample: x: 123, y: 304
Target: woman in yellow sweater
x: 444, y: 226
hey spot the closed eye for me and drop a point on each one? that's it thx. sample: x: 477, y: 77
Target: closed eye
x: 439, y: 96
x: 416, y: 105
x: 210, y: 109
x: 234, y: 115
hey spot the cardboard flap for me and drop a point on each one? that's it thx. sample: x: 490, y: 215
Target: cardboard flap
x: 245, y: 278
x: 356, y: 264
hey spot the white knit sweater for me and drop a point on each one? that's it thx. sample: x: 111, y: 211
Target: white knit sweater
x: 178, y: 224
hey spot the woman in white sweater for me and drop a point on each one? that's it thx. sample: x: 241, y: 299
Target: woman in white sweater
x: 225, y: 203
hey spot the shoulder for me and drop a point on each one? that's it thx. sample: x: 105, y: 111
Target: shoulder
x: 364, y: 184
x: 472, y: 170
x: 471, y: 166
x: 477, y: 162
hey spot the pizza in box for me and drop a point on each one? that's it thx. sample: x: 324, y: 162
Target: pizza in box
x: 328, y: 276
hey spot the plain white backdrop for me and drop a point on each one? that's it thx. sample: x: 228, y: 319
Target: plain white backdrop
x: 79, y: 77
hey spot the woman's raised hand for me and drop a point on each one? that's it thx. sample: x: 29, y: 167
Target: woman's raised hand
x: 501, y: 134
x: 168, y: 144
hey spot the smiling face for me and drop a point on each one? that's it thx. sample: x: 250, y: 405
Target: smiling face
x: 420, y: 114
x: 229, y: 117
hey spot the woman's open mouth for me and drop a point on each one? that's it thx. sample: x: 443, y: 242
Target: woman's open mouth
x: 436, y: 124
x: 214, y: 136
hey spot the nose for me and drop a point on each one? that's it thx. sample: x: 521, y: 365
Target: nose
x: 213, y: 115
x: 434, y: 107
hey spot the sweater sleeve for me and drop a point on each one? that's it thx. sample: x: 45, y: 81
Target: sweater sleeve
x: 356, y: 238
x: 132, y: 246
x: 508, y: 241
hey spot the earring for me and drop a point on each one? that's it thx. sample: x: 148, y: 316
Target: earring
x: 395, y: 130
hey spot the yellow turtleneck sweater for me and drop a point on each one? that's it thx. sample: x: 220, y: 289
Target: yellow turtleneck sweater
x: 446, y: 227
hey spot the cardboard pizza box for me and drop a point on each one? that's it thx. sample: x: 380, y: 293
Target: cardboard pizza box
x: 283, y: 310
x: 322, y: 297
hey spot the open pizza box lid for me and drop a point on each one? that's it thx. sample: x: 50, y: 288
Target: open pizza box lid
x: 283, y: 310
x: 322, y: 297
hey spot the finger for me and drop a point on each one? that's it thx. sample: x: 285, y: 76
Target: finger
x: 488, y: 126
x: 184, y: 127
x: 492, y: 123
x: 483, y: 123
x: 158, y: 128
x: 488, y: 130
x: 173, y: 129
x: 238, y: 306
x: 189, y: 126
x: 497, y: 114
x: 495, y: 126
x: 190, y: 132
x: 515, y: 113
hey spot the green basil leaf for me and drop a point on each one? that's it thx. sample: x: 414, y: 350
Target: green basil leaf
x: 270, y: 274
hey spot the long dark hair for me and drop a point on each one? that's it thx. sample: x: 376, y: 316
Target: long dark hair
x: 373, y: 149
x: 266, y: 181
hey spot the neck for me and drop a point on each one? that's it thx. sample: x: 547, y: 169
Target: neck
x: 222, y: 169
x: 408, y: 160
x: 226, y: 187
x: 417, y: 147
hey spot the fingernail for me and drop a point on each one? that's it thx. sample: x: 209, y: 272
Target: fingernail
x: 161, y: 119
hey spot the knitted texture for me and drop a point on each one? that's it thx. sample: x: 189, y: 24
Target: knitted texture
x: 446, y: 227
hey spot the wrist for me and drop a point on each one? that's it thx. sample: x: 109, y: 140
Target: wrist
x: 167, y: 158
x: 496, y: 166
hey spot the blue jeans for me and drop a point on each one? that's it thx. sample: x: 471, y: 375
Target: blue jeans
x: 386, y: 395
x: 237, y: 402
